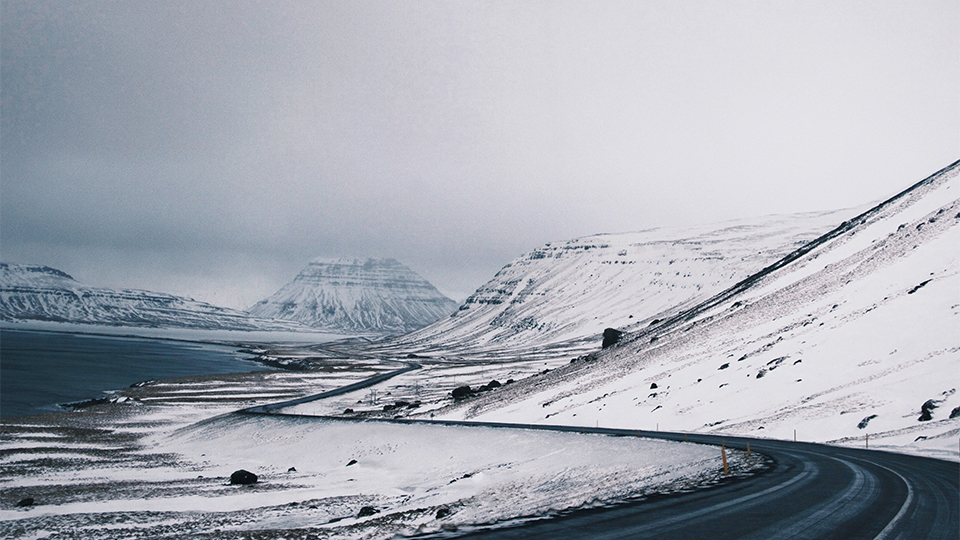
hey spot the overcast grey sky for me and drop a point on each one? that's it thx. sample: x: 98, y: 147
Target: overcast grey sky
x: 212, y: 148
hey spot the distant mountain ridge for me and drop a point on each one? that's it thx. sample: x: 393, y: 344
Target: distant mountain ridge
x: 566, y: 292
x: 41, y: 293
x: 353, y: 295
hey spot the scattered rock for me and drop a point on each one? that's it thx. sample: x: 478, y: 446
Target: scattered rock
x: 863, y: 423
x: 489, y: 386
x: 955, y: 412
x: 25, y: 502
x: 918, y: 287
x: 653, y: 386
x: 367, y: 511
x: 243, y: 477
x: 292, y: 469
x: 348, y: 411
x: 761, y: 373
x: 611, y: 336
x: 461, y: 392
x: 926, y: 410
x: 654, y: 339
x: 352, y: 462
x: 443, y: 512
x: 725, y: 366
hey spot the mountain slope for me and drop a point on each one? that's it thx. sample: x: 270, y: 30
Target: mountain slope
x: 41, y: 293
x: 568, y: 292
x: 368, y: 296
x: 853, y: 334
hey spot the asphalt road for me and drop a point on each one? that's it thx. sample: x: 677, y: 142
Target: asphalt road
x: 812, y: 491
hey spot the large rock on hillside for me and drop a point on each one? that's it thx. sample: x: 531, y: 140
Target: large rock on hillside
x: 360, y: 296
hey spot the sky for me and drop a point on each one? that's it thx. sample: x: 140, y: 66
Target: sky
x: 212, y: 148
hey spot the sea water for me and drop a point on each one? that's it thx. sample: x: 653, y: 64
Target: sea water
x: 39, y: 370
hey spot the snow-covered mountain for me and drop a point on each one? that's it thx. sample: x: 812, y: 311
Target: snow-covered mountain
x: 41, y: 293
x: 568, y: 292
x: 855, y: 333
x: 349, y: 295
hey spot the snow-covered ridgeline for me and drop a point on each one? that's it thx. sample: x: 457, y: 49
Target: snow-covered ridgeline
x: 570, y: 291
x: 41, y: 293
x: 856, y: 333
x: 358, y: 296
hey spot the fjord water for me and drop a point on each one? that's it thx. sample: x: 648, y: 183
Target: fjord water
x: 38, y: 370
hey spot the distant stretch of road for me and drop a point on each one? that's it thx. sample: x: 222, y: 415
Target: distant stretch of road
x: 813, y: 491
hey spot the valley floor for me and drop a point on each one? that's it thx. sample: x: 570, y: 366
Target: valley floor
x: 157, y: 462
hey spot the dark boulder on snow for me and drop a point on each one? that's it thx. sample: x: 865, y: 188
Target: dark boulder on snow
x: 462, y: 392
x: 243, y: 477
x: 367, y: 511
x: 611, y: 336
x: 926, y: 410
x: 489, y: 386
x: 653, y: 385
x: 443, y: 512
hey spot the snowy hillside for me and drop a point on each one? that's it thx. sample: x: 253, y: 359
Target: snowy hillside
x: 367, y: 296
x: 571, y: 291
x: 854, y: 334
x: 41, y: 293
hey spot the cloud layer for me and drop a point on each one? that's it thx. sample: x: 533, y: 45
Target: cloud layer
x: 212, y: 148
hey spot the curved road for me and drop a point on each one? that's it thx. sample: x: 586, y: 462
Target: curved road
x: 812, y: 491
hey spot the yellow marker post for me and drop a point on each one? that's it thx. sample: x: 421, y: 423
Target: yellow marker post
x: 723, y: 454
x: 748, y: 449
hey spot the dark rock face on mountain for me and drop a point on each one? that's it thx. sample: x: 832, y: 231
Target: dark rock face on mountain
x: 365, y: 296
x: 41, y: 293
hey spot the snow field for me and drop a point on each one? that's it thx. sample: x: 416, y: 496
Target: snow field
x: 482, y: 475
x: 849, y: 341
x: 316, y: 474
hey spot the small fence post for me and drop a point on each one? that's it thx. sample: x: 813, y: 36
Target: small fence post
x: 723, y: 454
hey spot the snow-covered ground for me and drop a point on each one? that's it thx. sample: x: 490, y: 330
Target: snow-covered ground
x: 854, y: 339
x: 765, y: 330
x: 316, y: 475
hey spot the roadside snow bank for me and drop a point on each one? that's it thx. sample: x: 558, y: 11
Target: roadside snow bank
x: 409, y: 473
